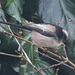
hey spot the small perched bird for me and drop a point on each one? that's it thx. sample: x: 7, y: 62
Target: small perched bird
x: 44, y: 35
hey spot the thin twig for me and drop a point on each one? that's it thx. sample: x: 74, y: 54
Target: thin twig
x: 57, y: 71
x: 43, y: 54
x: 71, y: 21
x: 49, y: 67
x: 54, y: 54
x: 6, y: 54
x: 65, y: 51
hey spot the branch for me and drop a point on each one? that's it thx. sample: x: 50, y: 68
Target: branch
x: 64, y: 59
x: 49, y: 67
x: 17, y: 56
x: 43, y: 54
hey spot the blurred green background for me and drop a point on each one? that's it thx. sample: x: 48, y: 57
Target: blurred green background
x: 37, y: 11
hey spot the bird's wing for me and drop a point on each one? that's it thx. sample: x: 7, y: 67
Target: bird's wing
x: 47, y: 30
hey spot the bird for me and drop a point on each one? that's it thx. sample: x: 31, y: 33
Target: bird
x: 44, y: 34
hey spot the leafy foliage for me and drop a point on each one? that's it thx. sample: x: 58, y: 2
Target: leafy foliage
x: 50, y: 11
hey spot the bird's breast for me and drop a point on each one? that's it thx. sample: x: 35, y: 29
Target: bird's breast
x: 44, y: 41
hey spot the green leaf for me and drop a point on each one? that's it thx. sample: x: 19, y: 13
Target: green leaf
x: 9, y: 2
x: 19, y: 4
x: 8, y: 44
x: 2, y: 18
x: 2, y: 15
x: 13, y: 11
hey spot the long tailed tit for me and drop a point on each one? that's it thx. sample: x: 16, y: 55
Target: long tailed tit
x: 44, y: 35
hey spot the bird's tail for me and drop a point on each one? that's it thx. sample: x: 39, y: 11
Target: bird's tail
x: 24, y: 26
